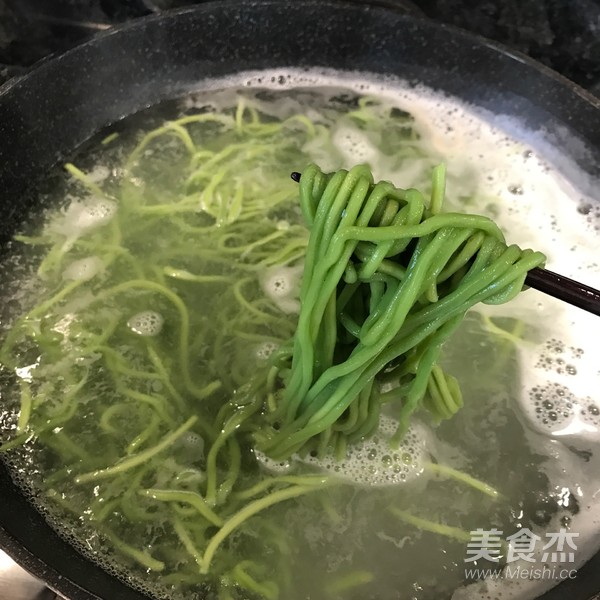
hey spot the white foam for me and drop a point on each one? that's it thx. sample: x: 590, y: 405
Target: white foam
x: 84, y: 215
x: 282, y: 286
x: 192, y: 445
x: 147, y: 323
x: 354, y: 145
x: 98, y: 174
x: 372, y: 462
x: 83, y: 269
x: 80, y: 217
x: 559, y: 374
x: 278, y: 467
x: 264, y: 350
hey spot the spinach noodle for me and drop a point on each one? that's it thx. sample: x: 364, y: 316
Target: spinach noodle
x: 387, y: 278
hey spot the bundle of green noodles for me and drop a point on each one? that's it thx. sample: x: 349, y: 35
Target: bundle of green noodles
x: 387, y: 278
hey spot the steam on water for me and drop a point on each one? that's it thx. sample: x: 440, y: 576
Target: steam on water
x: 531, y: 420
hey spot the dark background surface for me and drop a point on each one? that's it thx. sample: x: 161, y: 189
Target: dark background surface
x: 562, y: 34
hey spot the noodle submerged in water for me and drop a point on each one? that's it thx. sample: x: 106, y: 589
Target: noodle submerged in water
x: 211, y: 387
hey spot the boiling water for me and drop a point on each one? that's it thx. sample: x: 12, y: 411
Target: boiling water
x: 529, y: 428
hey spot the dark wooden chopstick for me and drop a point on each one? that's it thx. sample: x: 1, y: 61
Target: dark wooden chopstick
x: 553, y: 284
x: 563, y: 288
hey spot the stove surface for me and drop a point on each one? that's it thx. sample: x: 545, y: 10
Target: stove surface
x: 562, y: 34
x: 17, y: 584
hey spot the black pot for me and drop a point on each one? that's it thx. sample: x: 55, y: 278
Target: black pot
x: 47, y: 114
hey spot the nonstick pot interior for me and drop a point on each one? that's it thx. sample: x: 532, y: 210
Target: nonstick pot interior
x: 50, y: 112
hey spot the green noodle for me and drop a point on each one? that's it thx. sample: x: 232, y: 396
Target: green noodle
x: 393, y: 322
